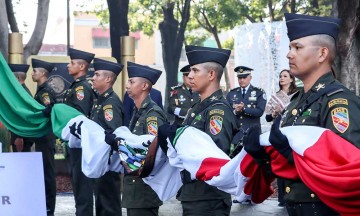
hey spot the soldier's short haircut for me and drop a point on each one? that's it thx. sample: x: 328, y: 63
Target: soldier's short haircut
x: 20, y: 75
x: 216, y: 67
x: 111, y: 75
x: 46, y: 72
x: 148, y: 82
x: 84, y: 62
x: 324, y: 40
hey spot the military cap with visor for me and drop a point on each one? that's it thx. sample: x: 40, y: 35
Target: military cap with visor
x: 242, y: 71
x: 137, y: 70
x: 101, y: 64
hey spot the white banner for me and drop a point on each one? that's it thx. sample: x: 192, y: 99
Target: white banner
x: 22, y: 190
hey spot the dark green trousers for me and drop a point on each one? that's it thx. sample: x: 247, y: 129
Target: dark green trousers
x: 207, y: 208
x: 142, y: 211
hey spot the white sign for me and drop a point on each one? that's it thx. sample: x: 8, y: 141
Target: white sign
x: 22, y: 190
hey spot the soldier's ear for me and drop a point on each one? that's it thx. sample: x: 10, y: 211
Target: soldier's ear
x: 212, y: 74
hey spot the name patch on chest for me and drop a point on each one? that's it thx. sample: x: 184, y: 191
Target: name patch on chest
x: 216, y: 111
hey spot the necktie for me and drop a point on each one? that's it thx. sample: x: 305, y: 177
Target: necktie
x: 243, y: 92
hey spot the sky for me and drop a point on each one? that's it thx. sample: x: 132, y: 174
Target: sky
x: 26, y: 11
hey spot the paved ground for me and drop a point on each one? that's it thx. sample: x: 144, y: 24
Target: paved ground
x: 65, y: 207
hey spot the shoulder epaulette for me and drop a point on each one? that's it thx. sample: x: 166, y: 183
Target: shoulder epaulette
x: 176, y: 87
x: 234, y: 89
x: 258, y: 88
x: 334, y: 92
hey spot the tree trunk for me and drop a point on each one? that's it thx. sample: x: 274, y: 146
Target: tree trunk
x: 119, y: 26
x: 293, y: 6
x: 4, y: 30
x: 11, y: 16
x: 172, y: 39
x: 35, y: 42
x: 271, y: 11
x: 349, y: 44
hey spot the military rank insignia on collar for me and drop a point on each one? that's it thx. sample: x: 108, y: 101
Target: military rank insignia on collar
x: 319, y: 86
x: 213, y: 98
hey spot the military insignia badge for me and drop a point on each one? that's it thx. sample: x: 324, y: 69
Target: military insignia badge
x: 253, y: 93
x: 80, y: 93
x: 215, y: 124
x: 152, y: 127
x: 45, y: 98
x: 108, y: 114
x: 340, y: 118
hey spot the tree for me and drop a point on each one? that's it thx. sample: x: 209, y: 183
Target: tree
x: 117, y: 17
x: 7, y: 17
x: 171, y: 18
x: 349, y: 44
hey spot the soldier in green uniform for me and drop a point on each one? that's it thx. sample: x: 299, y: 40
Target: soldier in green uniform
x: 138, y: 197
x: 80, y: 95
x: 108, y: 112
x: 247, y: 101
x: 214, y: 116
x: 323, y: 101
x: 45, y: 95
x: 182, y: 98
x: 20, y: 144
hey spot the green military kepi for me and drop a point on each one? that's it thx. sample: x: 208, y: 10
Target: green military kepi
x: 242, y: 71
x: 185, y: 70
x: 198, y: 55
x: 19, y: 68
x: 36, y: 63
x: 79, y: 54
x: 101, y: 64
x: 304, y: 25
x: 137, y: 70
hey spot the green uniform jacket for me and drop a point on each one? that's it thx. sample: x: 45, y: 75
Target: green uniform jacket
x: 214, y: 116
x: 146, y: 120
x: 182, y: 98
x: 45, y: 94
x: 338, y: 111
x: 108, y: 111
x: 80, y: 96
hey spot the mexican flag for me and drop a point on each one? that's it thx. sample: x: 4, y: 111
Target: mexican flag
x: 326, y: 163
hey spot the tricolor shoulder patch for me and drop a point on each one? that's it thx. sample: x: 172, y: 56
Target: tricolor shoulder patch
x: 340, y: 118
x: 215, y: 124
x: 79, y: 92
x: 152, y: 127
x: 108, y: 114
x: 45, y: 98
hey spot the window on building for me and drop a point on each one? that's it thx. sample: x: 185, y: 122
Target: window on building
x: 101, y: 42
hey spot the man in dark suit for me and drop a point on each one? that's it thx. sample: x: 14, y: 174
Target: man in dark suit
x: 155, y: 95
x: 248, y: 102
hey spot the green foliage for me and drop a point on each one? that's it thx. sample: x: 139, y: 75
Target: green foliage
x: 228, y: 44
x: 196, y: 37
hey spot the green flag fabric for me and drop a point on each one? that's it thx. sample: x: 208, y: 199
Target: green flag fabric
x: 21, y: 114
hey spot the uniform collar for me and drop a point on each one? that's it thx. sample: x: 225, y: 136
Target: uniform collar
x: 106, y: 94
x: 215, y: 96
x: 80, y: 78
x: 145, y: 102
x: 322, y: 82
x: 42, y: 86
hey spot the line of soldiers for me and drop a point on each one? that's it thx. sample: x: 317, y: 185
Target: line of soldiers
x: 200, y: 103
